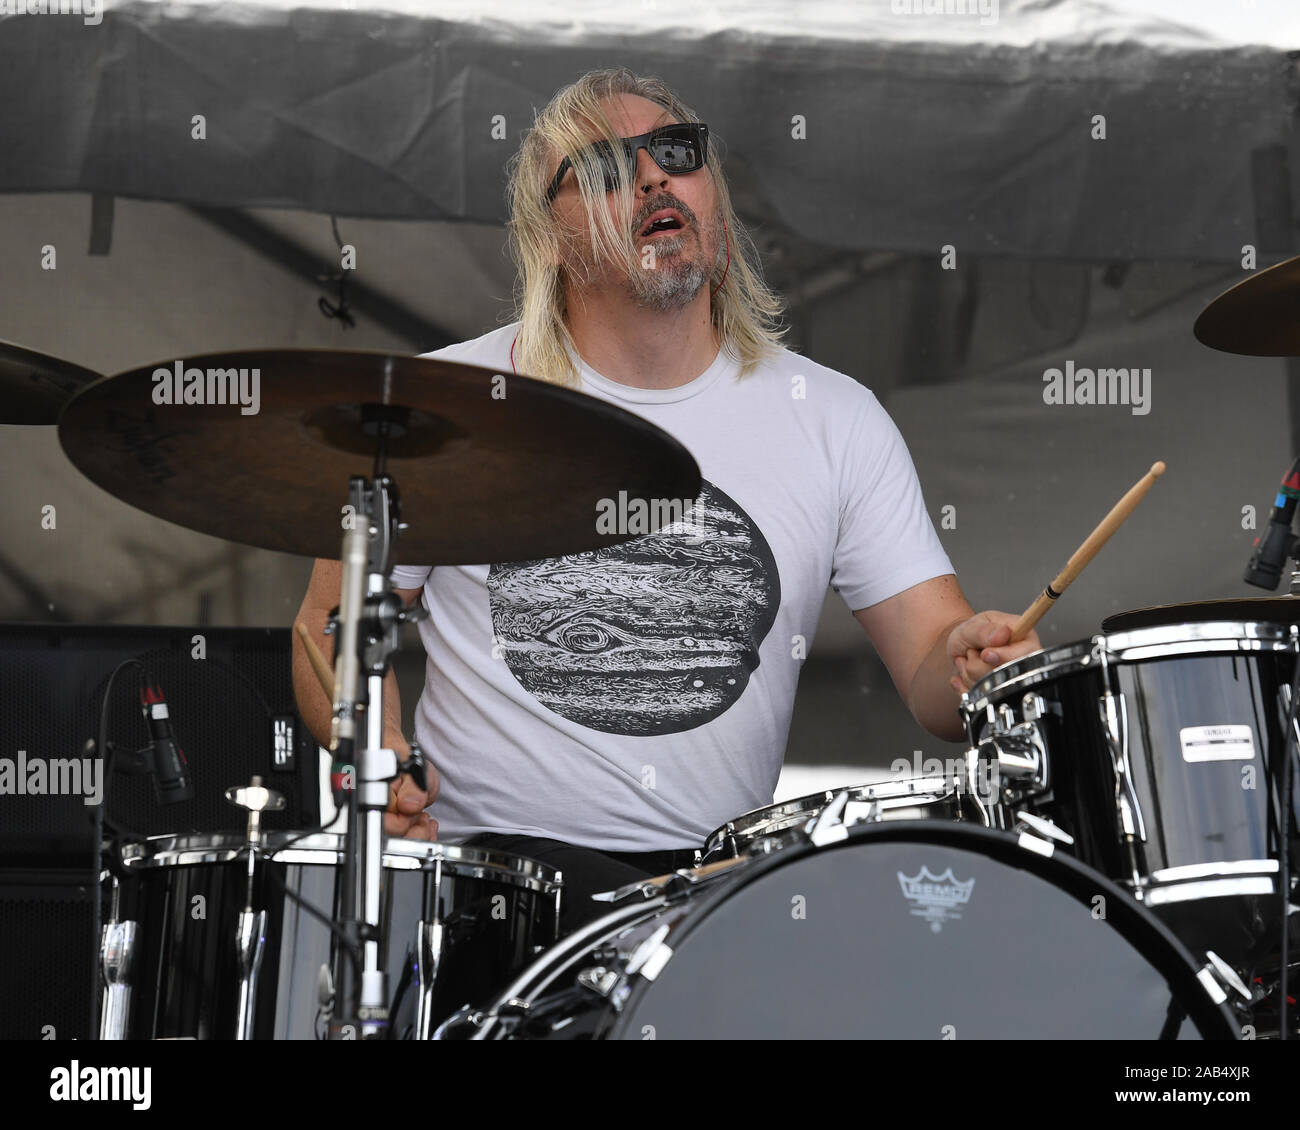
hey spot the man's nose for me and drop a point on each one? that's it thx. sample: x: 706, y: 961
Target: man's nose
x: 649, y: 175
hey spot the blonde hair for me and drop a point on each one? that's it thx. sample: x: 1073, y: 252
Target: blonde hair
x: 744, y: 311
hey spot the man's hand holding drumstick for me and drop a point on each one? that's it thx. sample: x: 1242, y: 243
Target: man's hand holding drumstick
x: 984, y: 642
x: 994, y: 638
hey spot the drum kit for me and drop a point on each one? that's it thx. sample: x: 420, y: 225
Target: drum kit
x: 1112, y: 856
x: 1107, y: 863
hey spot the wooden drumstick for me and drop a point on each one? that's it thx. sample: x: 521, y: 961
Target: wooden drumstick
x: 661, y: 881
x: 1086, y: 552
x: 319, y: 663
x: 698, y: 872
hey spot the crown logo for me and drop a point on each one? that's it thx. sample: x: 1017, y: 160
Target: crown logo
x: 935, y: 898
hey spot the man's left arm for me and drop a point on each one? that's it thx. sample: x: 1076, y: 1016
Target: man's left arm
x: 935, y: 646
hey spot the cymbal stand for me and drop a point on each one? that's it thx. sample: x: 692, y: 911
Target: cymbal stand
x: 367, y: 623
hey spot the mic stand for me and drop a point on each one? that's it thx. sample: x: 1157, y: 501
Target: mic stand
x: 367, y: 623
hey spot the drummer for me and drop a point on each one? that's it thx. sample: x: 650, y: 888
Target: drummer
x: 603, y: 712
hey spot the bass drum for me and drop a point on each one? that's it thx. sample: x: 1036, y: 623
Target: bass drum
x: 909, y: 930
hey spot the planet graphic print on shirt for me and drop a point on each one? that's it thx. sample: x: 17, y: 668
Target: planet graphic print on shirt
x: 653, y: 636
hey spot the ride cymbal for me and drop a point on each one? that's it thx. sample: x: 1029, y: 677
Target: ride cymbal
x: 490, y: 467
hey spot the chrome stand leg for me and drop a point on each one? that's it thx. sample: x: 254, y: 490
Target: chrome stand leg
x: 428, y: 948
x: 116, y: 961
x: 250, y: 942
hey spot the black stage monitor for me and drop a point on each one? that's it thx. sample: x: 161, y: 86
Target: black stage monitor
x: 229, y: 693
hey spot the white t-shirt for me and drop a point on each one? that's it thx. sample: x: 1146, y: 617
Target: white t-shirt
x: 636, y: 697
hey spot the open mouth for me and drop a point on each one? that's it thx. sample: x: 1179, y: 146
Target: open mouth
x: 662, y: 221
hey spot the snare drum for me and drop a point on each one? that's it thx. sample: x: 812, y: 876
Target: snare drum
x: 1156, y: 749
x: 897, y: 930
x: 456, y: 924
x: 932, y: 797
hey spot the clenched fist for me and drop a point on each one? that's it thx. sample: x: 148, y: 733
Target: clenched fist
x: 406, y: 804
x: 978, y: 645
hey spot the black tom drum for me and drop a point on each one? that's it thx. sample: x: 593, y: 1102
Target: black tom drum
x: 456, y: 924
x: 1158, y: 750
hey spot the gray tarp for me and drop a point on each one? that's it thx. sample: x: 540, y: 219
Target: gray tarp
x: 389, y: 114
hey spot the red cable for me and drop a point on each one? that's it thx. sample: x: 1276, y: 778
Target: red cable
x: 725, y: 236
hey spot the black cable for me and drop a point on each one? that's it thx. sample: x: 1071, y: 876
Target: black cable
x: 399, y: 995
x: 106, y: 753
x: 1290, y: 751
x: 252, y: 686
x: 166, y: 654
x: 353, y: 950
x: 148, y: 679
x: 298, y: 899
x: 222, y: 692
x: 342, y: 311
x: 318, y: 830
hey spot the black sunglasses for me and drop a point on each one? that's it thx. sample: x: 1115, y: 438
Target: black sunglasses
x: 676, y: 149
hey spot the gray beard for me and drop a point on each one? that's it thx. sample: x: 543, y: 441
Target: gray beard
x: 672, y: 285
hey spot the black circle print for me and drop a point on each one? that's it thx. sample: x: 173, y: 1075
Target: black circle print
x: 652, y: 636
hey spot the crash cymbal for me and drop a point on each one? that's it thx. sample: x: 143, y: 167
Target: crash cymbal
x: 1260, y: 610
x: 489, y: 467
x: 1260, y: 316
x: 34, y: 387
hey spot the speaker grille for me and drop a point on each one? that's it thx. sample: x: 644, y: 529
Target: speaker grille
x: 52, y: 682
x: 48, y: 973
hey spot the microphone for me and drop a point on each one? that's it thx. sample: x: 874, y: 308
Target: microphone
x: 168, y: 767
x: 1278, y: 543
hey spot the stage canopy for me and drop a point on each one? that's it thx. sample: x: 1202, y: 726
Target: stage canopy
x: 870, y: 126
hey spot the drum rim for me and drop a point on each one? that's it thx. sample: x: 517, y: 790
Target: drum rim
x: 1038, y: 666
x: 1274, y: 637
x: 1131, y: 919
x: 193, y: 849
x: 1186, y: 612
x: 541, y: 973
x: 811, y: 803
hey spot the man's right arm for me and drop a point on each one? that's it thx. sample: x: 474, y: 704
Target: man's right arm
x: 406, y: 816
